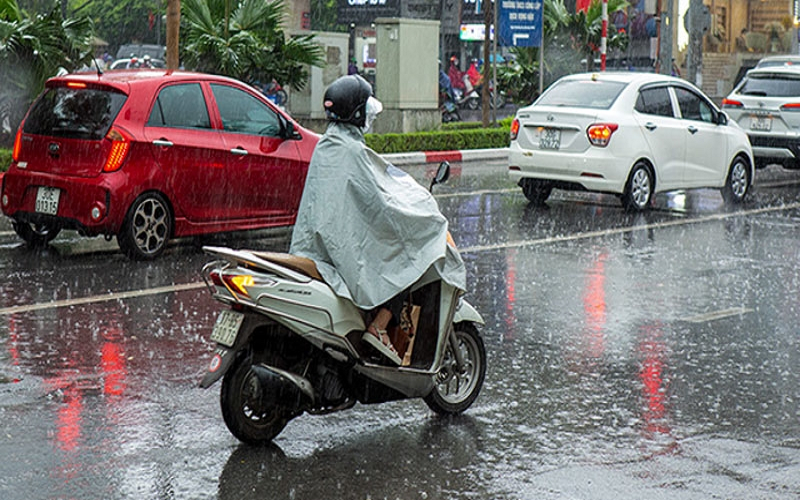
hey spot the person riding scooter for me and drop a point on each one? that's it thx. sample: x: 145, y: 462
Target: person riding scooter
x: 370, y: 228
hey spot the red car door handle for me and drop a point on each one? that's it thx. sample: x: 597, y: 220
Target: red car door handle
x: 239, y: 151
x: 163, y: 143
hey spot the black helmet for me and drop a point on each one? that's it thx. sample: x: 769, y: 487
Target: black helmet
x: 346, y: 100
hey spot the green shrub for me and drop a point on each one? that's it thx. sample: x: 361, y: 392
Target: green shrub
x: 5, y: 159
x: 440, y: 140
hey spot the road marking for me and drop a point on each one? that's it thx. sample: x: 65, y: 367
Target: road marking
x: 628, y: 229
x: 100, y: 298
x: 714, y: 315
x: 474, y: 249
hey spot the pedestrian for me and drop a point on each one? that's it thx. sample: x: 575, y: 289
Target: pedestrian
x: 352, y: 68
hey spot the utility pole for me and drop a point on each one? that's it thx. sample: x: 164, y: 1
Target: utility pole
x: 173, y: 32
x: 697, y: 21
x: 665, y: 37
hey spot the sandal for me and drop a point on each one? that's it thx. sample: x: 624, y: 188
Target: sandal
x: 380, y: 340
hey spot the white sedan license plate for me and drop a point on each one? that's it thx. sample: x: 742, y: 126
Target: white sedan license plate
x: 227, y: 327
x: 550, y: 138
x: 47, y: 200
x: 761, y: 122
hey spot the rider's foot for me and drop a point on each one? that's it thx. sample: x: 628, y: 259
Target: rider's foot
x: 380, y: 340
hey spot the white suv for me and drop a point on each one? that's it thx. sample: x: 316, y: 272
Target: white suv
x: 766, y: 104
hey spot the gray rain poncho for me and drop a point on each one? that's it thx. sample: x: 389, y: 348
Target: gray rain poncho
x: 372, y: 230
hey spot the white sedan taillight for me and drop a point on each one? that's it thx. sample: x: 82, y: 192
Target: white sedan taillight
x: 600, y: 133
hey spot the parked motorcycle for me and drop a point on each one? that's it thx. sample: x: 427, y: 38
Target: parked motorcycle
x: 470, y: 97
x: 287, y: 344
x: 447, y: 105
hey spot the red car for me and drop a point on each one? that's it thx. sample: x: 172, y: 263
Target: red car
x: 148, y: 155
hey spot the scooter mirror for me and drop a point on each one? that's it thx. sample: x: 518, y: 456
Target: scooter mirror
x: 442, y: 174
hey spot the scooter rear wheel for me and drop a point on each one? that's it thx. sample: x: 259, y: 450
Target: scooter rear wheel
x: 249, y: 417
x: 455, y: 390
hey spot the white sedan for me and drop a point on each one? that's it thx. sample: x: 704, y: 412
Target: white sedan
x: 630, y: 134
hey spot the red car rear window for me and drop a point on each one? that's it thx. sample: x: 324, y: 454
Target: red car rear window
x: 78, y: 113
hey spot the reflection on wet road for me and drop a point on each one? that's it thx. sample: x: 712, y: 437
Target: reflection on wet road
x: 630, y: 356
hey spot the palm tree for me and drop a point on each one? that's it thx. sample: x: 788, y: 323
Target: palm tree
x: 521, y: 79
x: 567, y: 37
x: 586, y: 28
x: 32, y: 49
x: 245, y: 40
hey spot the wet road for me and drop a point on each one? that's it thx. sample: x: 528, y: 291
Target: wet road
x: 630, y: 356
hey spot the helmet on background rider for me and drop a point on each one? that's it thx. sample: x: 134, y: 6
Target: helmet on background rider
x: 346, y: 99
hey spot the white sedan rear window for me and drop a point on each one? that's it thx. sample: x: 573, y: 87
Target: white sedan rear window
x: 582, y: 94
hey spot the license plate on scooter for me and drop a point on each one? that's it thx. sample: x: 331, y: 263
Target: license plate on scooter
x: 226, y: 327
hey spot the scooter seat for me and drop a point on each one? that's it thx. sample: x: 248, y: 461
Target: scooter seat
x: 293, y: 262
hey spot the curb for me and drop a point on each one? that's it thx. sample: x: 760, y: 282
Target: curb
x: 439, y: 156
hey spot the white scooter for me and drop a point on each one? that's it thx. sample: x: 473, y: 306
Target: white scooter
x: 288, y: 344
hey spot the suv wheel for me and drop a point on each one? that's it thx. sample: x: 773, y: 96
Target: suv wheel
x: 147, y: 227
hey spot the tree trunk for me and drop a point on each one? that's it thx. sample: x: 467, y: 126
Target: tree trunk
x: 488, y: 20
x: 173, y: 33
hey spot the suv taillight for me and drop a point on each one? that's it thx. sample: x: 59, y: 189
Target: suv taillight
x: 791, y: 106
x: 600, y: 133
x: 120, y: 145
x: 730, y: 103
x: 17, y: 144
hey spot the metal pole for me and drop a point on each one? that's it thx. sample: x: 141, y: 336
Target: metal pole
x: 604, y: 36
x: 494, y: 68
x: 541, y: 66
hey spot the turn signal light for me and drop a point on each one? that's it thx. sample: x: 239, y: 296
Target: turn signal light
x: 17, y: 144
x: 600, y: 133
x: 239, y: 283
x: 120, y: 145
x: 514, y: 129
x: 730, y: 103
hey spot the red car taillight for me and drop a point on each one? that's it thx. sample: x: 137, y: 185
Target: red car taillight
x: 120, y: 145
x: 17, y: 144
x: 792, y: 106
x: 514, y: 129
x: 730, y: 103
x: 600, y: 133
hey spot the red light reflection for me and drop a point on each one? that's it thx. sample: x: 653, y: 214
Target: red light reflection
x: 654, y: 384
x: 594, y: 307
x: 511, y: 299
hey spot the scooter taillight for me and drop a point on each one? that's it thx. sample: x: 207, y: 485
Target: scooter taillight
x: 238, y: 283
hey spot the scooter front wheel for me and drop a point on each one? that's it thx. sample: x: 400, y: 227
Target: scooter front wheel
x: 250, y: 416
x: 456, y: 389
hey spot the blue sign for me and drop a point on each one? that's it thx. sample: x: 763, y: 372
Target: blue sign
x: 520, y: 23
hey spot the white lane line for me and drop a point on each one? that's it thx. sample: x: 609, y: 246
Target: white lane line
x: 714, y: 315
x: 627, y: 229
x: 100, y: 298
x: 474, y: 249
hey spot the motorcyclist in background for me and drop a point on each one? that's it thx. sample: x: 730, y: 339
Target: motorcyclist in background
x: 455, y: 74
x: 371, y: 229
